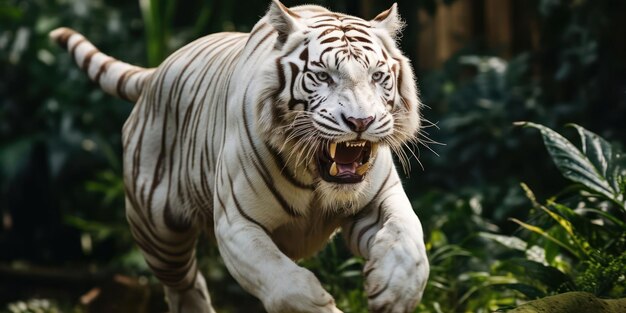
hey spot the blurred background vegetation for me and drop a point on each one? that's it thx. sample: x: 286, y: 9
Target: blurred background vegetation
x: 481, y: 64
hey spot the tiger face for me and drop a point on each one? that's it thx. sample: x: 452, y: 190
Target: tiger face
x: 340, y: 91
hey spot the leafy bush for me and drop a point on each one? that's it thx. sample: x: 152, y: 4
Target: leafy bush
x: 578, y: 238
x: 581, y: 231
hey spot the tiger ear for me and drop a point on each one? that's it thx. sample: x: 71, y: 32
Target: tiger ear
x: 389, y: 21
x: 283, y: 20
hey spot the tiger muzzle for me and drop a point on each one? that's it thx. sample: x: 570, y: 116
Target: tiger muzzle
x: 346, y: 162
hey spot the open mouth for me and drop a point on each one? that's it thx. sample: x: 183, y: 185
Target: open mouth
x: 346, y: 162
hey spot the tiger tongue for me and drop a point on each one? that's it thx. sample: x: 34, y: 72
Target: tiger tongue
x: 347, y: 155
x: 343, y: 168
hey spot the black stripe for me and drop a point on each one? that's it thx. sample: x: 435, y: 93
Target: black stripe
x: 161, y: 240
x: 328, y: 40
x: 379, y: 292
x: 245, y: 174
x: 240, y: 209
x: 87, y: 59
x: 329, y: 127
x: 175, y: 278
x: 103, y: 68
x: 121, y: 83
x: 368, y: 227
x: 63, y: 39
x: 262, y: 39
x: 263, y: 171
x: 73, y: 49
x: 174, y: 223
x: 292, y: 99
x: 257, y: 29
x: 219, y: 199
x: 332, y: 120
x: 284, y: 170
x: 366, y: 208
x: 383, y: 124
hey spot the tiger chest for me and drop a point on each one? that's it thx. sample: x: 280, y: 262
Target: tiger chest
x: 306, y: 236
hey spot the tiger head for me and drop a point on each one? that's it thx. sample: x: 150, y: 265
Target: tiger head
x: 339, y: 90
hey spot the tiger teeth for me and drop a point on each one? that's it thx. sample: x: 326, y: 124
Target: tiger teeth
x: 332, y: 149
x: 363, y: 169
x: 355, y: 144
x: 333, y: 169
x: 374, y: 150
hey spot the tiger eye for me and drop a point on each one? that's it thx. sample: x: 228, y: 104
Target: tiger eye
x: 377, y: 76
x: 322, y: 76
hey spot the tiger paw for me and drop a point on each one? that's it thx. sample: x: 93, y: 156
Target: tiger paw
x: 300, y: 292
x: 396, y: 272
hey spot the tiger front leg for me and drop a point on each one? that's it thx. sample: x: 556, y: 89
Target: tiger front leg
x: 263, y: 270
x: 389, y: 235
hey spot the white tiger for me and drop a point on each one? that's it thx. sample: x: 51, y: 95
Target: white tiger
x: 273, y: 141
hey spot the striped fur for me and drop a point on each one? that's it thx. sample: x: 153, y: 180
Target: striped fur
x: 232, y: 135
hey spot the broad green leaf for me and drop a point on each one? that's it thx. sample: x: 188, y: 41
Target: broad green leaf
x: 601, y: 154
x: 575, y: 165
x: 507, y: 241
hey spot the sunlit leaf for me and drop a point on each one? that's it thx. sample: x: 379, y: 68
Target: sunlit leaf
x: 546, y: 235
x: 507, y: 241
x: 602, y: 156
x: 351, y: 262
x: 576, y: 166
x: 581, y: 243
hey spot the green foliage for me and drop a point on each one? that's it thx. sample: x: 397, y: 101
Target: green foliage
x: 463, y: 276
x: 57, y: 132
x: 341, y: 276
x: 157, y: 16
x: 60, y: 168
x: 579, y: 235
x: 595, y: 166
x: 571, y: 249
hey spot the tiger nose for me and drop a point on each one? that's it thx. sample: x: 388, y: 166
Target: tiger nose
x: 358, y: 124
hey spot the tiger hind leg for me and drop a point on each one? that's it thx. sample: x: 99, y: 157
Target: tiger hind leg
x: 169, y: 250
x: 194, y: 299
